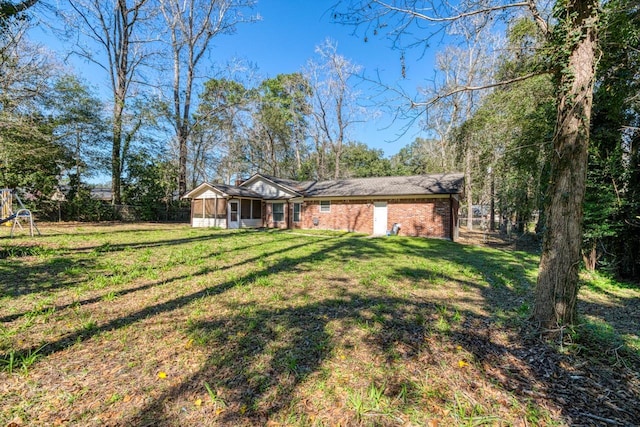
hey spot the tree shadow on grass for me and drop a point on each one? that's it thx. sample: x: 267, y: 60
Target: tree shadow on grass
x: 44, y: 274
x: 263, y: 356
x: 111, y: 228
x: 284, y: 263
x: 53, y: 269
x: 154, y: 243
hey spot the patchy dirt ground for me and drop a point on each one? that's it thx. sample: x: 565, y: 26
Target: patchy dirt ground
x: 499, y: 240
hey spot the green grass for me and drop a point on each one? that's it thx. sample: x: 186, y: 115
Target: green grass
x: 287, y: 327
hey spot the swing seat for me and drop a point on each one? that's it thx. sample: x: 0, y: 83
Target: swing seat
x: 7, y: 219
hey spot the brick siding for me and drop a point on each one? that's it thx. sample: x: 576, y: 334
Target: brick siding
x: 426, y: 217
x: 418, y: 217
x: 268, y: 216
x: 353, y: 215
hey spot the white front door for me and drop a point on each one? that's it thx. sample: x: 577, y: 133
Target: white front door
x: 233, y: 214
x: 380, y: 218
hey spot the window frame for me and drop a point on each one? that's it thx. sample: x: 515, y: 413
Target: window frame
x: 280, y: 214
x: 298, y: 207
x: 325, y: 208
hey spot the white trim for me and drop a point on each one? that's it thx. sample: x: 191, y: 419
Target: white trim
x: 199, y: 189
x: 321, y: 207
x: 233, y: 224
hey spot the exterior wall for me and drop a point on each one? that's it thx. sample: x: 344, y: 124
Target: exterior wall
x: 349, y: 215
x: 223, y: 222
x: 421, y: 217
x: 209, y: 222
x: 267, y: 189
x: 198, y: 219
x: 418, y: 217
x: 207, y: 194
x: 250, y: 223
x: 430, y: 217
x: 268, y: 215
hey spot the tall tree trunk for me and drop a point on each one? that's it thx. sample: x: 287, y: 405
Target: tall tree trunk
x: 182, y: 159
x: 116, y: 159
x: 557, y: 287
x: 120, y: 82
x: 184, y: 123
x: 340, y: 138
x: 467, y: 187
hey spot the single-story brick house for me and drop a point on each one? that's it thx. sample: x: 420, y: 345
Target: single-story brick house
x: 422, y: 205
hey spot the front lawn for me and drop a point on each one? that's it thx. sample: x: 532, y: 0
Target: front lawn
x: 168, y: 325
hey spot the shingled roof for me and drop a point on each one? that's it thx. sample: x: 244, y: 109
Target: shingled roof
x: 290, y: 184
x: 417, y: 185
x: 451, y: 183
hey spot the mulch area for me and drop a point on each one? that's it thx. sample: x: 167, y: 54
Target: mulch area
x: 592, y: 388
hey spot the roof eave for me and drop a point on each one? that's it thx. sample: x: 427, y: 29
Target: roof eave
x: 199, y: 188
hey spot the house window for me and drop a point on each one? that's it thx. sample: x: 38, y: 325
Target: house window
x: 296, y: 212
x: 278, y: 212
x: 325, y: 206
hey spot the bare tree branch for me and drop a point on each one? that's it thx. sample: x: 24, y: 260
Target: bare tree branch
x: 454, y: 17
x: 474, y: 88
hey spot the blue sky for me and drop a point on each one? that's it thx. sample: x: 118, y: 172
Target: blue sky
x: 284, y: 40
x: 286, y: 37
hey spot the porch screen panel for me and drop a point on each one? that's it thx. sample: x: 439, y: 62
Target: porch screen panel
x: 245, y: 209
x: 257, y: 209
x: 221, y: 210
x: 196, y: 208
x: 209, y: 208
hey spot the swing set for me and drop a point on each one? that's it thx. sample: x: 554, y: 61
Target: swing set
x: 13, y: 218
